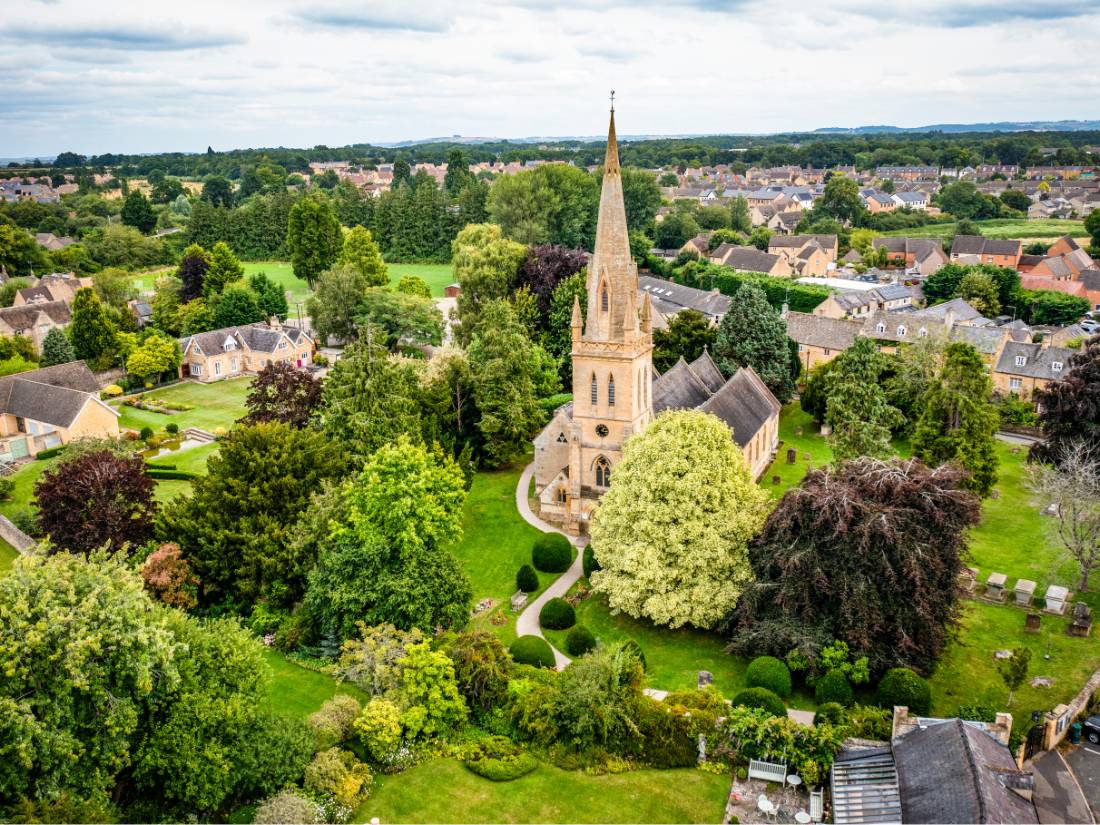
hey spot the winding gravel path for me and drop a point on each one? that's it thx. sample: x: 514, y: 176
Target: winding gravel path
x: 527, y: 623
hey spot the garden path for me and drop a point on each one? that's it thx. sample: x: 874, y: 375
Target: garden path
x: 527, y: 624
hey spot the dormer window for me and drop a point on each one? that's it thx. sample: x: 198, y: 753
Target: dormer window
x: 922, y: 332
x: 901, y: 331
x: 1056, y: 366
x: 880, y: 327
x: 1021, y: 360
x: 229, y: 345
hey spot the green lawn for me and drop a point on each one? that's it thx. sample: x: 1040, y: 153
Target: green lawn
x: 218, y: 404
x: 437, y: 275
x: 797, y: 430
x: 191, y: 460
x: 1001, y: 228
x: 8, y: 555
x: 298, y: 691
x: 444, y: 791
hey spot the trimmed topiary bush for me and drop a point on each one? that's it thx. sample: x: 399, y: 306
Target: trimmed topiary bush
x: 146, y: 433
x: 527, y: 579
x: 552, y: 553
x: 770, y: 673
x: 557, y: 614
x: 901, y: 686
x: 831, y: 713
x: 762, y: 698
x: 579, y: 641
x: 742, y: 774
x: 589, y: 563
x: 531, y: 650
x: 172, y: 427
x: 499, y: 759
x: 834, y: 687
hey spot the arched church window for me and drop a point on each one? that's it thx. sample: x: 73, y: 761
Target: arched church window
x: 595, y: 390
x: 603, y: 299
x: 603, y: 472
x: 611, y: 391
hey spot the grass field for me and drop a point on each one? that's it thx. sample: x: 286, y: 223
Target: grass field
x: 298, y: 691
x: 218, y: 404
x: 191, y: 460
x: 444, y: 791
x: 1046, y: 229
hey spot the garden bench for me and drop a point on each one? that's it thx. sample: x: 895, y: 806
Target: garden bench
x: 768, y: 771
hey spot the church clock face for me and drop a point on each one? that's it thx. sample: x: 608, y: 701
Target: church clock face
x: 601, y: 430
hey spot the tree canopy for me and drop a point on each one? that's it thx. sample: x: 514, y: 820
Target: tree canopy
x: 752, y: 334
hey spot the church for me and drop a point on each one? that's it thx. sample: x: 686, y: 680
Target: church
x: 616, y: 390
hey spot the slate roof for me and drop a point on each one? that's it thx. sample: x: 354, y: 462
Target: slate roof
x: 827, y: 242
x: 979, y: 245
x: 258, y: 337
x: 892, y: 292
x: 749, y: 259
x: 954, y: 772
x: 828, y: 333
x: 1090, y: 278
x: 707, y: 371
x: 25, y: 316
x: 675, y: 297
x: 963, y: 311
x: 52, y: 395
x: 744, y: 403
x: 679, y: 389
x: 986, y: 340
x: 1038, y: 360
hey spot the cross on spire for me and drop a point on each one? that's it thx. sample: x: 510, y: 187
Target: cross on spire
x: 613, y: 100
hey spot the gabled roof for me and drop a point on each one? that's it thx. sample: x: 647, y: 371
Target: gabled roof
x: 52, y: 395
x: 954, y: 772
x: 827, y: 333
x: 979, y: 245
x: 827, y: 242
x: 749, y: 259
x: 1038, y: 361
x: 963, y: 311
x: 679, y: 389
x: 745, y: 403
x: 676, y: 296
x: 1053, y: 285
x: 707, y: 371
x: 258, y: 337
x: 26, y: 316
x: 1090, y: 278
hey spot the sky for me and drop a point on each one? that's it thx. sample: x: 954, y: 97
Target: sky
x: 141, y: 76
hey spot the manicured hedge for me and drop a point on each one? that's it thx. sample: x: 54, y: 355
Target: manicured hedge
x: 557, y: 614
x: 165, y: 475
x: 500, y: 760
x: 531, y: 650
x: 760, y: 698
x: 172, y: 427
x: 771, y: 673
x: 552, y: 553
x: 901, y: 686
x: 42, y: 455
x: 831, y: 713
x: 834, y: 687
x: 527, y: 579
x: 705, y: 275
x: 589, y: 563
x: 579, y: 641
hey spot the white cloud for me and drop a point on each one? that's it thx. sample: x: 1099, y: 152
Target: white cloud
x: 140, y: 77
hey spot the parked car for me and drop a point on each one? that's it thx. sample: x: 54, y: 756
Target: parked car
x: 1089, y: 325
x: 1092, y: 729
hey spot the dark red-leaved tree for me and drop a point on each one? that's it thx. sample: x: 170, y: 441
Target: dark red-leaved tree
x: 282, y: 392
x: 96, y: 498
x: 192, y: 272
x: 1070, y: 408
x: 545, y: 268
x: 867, y: 553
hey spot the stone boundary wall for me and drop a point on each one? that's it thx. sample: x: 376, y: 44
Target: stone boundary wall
x: 14, y: 536
x: 1057, y: 721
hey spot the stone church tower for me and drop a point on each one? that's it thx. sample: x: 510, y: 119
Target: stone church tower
x: 576, y: 453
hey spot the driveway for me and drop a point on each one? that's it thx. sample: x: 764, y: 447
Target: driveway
x: 1085, y: 763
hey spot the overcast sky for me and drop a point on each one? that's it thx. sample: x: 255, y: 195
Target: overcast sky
x: 142, y: 76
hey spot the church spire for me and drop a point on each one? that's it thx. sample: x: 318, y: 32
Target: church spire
x: 611, y: 159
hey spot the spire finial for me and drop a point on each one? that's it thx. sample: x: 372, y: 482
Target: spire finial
x: 612, y: 100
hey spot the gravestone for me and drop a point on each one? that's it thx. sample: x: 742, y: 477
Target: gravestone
x: 705, y: 678
x: 792, y: 455
x: 1033, y: 623
x: 776, y: 480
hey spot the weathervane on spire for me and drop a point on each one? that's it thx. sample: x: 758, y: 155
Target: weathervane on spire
x: 613, y: 100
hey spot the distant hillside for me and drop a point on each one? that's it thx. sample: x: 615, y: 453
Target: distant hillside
x: 1003, y: 126
x: 555, y: 139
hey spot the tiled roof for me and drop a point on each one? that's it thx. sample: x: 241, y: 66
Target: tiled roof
x: 749, y: 259
x: 744, y: 403
x: 1041, y: 282
x: 25, y: 316
x: 679, y: 389
x: 259, y: 337
x: 827, y: 333
x: 711, y: 303
x: 796, y: 241
x: 52, y: 395
x: 1037, y: 361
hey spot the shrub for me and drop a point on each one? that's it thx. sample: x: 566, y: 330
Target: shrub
x: 590, y: 564
x: 163, y: 474
x: 708, y: 699
x: 978, y: 713
x: 49, y: 452
x: 339, y: 774
x: 320, y: 360
x: 500, y: 760
x: 667, y: 739
x: 218, y: 432
x: 112, y: 391
x: 7, y: 487
x: 527, y: 579
x: 831, y: 713
x: 770, y: 673
x: 288, y: 807
x: 743, y: 774
x: 379, y: 728
x: 557, y: 614
x: 335, y: 721
x: 901, y: 686
x: 172, y: 427
x: 552, y: 553
x: 636, y: 649
x: 869, y: 722
x: 146, y: 433
x: 762, y: 698
x: 579, y: 641
x: 834, y: 687
x: 531, y: 650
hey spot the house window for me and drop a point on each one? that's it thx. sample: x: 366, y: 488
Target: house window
x: 611, y: 391
x: 603, y: 299
x: 1056, y: 366
x: 922, y: 332
x: 1021, y: 360
x: 800, y: 348
x: 901, y: 331
x: 217, y: 368
x: 196, y: 369
x: 880, y: 327
x: 595, y: 391
x: 1014, y: 383
x: 234, y: 365
x: 561, y: 496
x: 603, y: 472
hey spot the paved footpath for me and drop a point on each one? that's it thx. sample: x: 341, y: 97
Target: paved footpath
x: 527, y: 623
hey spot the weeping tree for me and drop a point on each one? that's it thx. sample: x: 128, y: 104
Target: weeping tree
x: 866, y: 552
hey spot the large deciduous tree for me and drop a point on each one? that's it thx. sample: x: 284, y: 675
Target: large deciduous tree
x: 395, y: 318
x: 840, y: 201
x: 752, y: 334
x: 282, y: 392
x: 92, y: 334
x: 360, y: 251
x: 234, y: 527
x: 1072, y: 487
x: 868, y: 553
x: 385, y: 559
x: 486, y: 266
x: 138, y: 212
x: 314, y: 238
x: 1070, y: 408
x: 543, y: 269
x: 958, y: 421
x: 672, y: 533
x: 688, y: 334
x: 156, y: 355
x: 96, y: 498
x: 857, y: 409
x: 336, y: 301
x: 505, y: 368
x: 555, y: 203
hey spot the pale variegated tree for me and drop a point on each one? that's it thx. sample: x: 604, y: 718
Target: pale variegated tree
x: 671, y: 535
